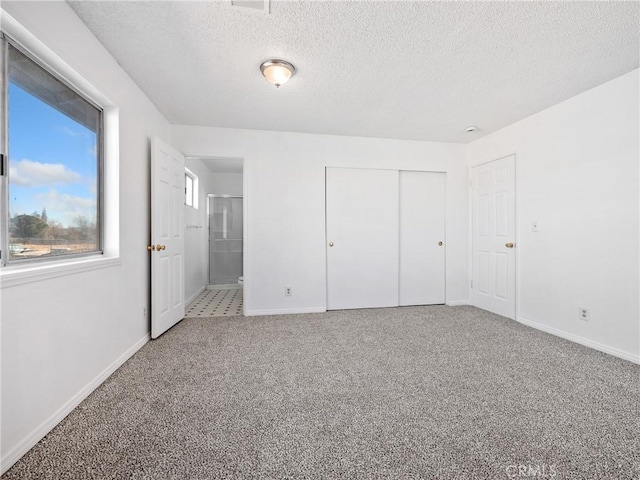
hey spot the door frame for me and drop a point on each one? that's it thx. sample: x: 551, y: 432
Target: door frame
x: 515, y: 155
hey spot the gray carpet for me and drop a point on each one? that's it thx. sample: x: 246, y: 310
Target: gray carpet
x: 413, y: 392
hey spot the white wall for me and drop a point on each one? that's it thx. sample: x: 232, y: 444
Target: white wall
x: 577, y: 175
x: 195, y: 255
x: 197, y: 234
x: 224, y: 183
x: 284, y: 193
x: 61, y: 337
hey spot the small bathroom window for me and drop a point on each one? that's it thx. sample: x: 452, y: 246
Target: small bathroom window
x: 190, y: 188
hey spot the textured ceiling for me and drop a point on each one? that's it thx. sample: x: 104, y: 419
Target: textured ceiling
x: 410, y: 70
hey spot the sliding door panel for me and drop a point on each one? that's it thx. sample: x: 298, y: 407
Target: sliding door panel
x: 362, y: 238
x: 422, y: 240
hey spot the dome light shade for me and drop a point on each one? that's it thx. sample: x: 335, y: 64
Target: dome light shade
x: 277, y: 72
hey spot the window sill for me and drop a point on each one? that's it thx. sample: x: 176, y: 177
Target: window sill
x: 20, y: 275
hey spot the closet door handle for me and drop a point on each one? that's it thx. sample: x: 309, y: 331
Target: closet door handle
x: 331, y: 244
x: 440, y: 243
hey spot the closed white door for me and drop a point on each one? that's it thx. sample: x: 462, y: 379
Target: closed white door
x: 167, y: 237
x: 362, y: 238
x: 422, y: 242
x: 493, y: 223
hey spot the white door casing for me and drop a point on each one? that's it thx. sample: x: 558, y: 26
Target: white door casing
x: 422, y: 238
x: 167, y: 237
x: 493, y: 236
x: 362, y: 238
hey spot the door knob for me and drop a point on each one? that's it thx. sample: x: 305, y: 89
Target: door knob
x: 509, y: 245
x: 160, y: 247
x: 151, y: 248
x: 439, y: 244
x: 331, y: 244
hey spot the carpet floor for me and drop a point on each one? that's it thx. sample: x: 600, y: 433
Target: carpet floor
x: 412, y: 392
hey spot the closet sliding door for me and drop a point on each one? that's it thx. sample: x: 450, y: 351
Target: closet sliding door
x: 362, y: 238
x: 422, y: 228
x: 385, y: 238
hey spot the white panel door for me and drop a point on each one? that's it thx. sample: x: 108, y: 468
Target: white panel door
x: 422, y: 246
x: 493, y: 224
x: 167, y: 237
x: 362, y: 238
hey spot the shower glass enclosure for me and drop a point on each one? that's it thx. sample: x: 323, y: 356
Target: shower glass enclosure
x: 225, y: 239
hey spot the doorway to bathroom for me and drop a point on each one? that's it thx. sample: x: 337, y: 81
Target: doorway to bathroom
x: 215, y: 264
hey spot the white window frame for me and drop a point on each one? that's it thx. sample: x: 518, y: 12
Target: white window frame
x: 16, y: 274
x: 195, y: 193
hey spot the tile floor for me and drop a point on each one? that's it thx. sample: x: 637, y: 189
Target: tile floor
x: 216, y: 303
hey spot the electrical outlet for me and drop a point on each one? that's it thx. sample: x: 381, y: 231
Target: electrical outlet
x: 583, y: 314
x: 144, y: 312
x: 287, y: 291
x: 534, y: 226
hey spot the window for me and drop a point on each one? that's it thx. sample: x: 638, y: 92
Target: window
x: 54, y: 175
x: 190, y: 188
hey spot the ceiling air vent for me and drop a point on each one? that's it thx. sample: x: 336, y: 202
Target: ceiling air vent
x: 255, y: 5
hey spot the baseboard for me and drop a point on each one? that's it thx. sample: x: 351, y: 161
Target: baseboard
x: 616, y: 352
x: 284, y: 311
x: 195, y: 295
x: 456, y: 303
x: 288, y: 311
x: 45, y: 427
x: 227, y: 286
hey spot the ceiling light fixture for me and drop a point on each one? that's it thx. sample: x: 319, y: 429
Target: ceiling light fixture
x: 277, y: 72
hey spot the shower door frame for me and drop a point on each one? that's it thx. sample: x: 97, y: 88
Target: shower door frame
x: 211, y: 196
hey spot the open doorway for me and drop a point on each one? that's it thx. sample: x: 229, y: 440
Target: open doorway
x: 214, y: 232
